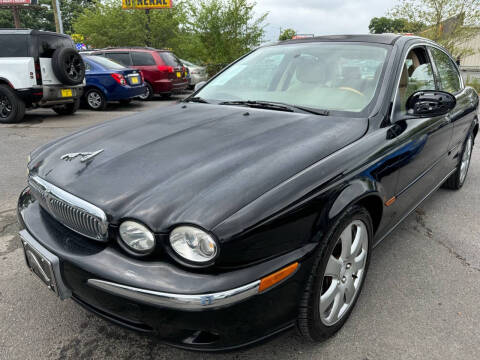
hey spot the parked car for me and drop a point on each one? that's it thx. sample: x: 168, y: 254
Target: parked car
x: 108, y: 80
x: 197, y: 73
x: 253, y: 205
x: 38, y: 69
x: 164, y: 74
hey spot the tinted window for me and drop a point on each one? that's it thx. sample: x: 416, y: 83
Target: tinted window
x: 13, y: 46
x: 449, y: 76
x: 47, y: 44
x: 142, y: 59
x: 121, y: 58
x: 107, y: 63
x: 169, y: 59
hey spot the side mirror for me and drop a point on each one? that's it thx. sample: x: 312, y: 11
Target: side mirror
x: 200, y: 85
x: 429, y: 103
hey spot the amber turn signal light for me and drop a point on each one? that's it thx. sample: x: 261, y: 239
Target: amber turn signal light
x: 276, y: 277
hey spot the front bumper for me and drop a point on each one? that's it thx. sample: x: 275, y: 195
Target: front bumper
x: 191, y: 310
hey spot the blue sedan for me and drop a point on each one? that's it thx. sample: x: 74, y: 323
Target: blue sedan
x: 110, y: 81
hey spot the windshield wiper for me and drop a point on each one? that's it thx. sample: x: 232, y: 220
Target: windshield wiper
x: 259, y: 105
x: 197, y: 99
x: 274, y: 106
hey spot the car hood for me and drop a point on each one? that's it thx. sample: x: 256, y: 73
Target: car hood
x: 192, y: 163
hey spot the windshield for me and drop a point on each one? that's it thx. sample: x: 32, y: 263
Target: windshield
x: 330, y: 76
x: 107, y: 63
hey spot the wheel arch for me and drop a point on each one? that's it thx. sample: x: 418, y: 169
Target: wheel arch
x: 6, y: 82
x: 94, y: 87
x: 362, y: 192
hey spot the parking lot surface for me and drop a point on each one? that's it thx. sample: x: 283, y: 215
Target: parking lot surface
x: 420, y: 300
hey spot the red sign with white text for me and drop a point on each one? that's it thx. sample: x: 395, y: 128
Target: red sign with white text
x: 15, y: 2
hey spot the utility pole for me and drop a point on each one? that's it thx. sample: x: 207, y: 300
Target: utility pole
x: 148, y: 35
x: 16, y: 17
x: 57, y: 14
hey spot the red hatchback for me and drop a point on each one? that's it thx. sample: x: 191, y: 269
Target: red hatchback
x: 164, y: 74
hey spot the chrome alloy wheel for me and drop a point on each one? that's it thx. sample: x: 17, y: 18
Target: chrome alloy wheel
x: 94, y: 99
x: 467, y: 154
x: 344, y: 273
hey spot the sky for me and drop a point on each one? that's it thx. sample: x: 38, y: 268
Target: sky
x: 321, y: 17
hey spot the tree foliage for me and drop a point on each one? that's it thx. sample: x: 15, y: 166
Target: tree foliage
x: 42, y: 18
x: 451, y: 23
x: 208, y: 31
x: 381, y: 25
x: 225, y: 29
x: 287, y: 34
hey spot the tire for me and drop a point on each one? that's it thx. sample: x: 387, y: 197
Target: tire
x: 457, y: 179
x: 314, y: 323
x: 12, y: 108
x: 68, y: 66
x: 148, y: 93
x: 95, y: 100
x: 67, y: 109
x: 125, y: 101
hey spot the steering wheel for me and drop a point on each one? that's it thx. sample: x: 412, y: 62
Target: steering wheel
x: 355, y: 91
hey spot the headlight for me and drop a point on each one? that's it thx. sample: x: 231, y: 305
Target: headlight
x: 193, y: 244
x: 137, y: 237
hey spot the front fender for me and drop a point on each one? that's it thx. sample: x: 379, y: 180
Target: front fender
x: 352, y: 193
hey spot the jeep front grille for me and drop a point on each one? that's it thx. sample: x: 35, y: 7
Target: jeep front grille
x: 71, y: 211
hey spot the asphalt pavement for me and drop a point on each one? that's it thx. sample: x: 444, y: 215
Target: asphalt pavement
x: 420, y: 300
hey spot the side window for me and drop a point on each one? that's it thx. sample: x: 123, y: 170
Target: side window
x: 121, y: 58
x: 13, y: 46
x: 47, y: 44
x: 449, y: 76
x: 417, y: 74
x: 142, y: 58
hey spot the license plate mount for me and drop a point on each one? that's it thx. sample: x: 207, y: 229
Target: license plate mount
x: 44, y: 264
x: 66, y: 92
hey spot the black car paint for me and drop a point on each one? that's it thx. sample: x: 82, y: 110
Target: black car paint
x: 267, y: 184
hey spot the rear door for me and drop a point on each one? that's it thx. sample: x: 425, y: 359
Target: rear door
x: 46, y: 45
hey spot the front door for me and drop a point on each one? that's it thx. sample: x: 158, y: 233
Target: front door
x: 424, y: 141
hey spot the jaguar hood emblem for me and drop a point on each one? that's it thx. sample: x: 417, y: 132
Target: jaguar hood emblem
x: 84, y: 156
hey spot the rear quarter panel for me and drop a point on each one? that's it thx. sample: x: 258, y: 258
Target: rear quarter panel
x: 17, y: 71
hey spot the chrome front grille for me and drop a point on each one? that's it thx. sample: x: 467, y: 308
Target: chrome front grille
x: 73, y: 212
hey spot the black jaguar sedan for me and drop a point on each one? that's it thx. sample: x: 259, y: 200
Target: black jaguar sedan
x: 252, y: 206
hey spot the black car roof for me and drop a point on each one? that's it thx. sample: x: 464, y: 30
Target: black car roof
x: 29, y: 32
x: 387, y: 39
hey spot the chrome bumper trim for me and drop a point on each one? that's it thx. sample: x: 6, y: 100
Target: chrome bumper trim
x: 179, y: 301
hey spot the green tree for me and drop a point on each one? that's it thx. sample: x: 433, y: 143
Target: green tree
x: 42, y: 18
x: 106, y: 24
x: 287, y: 34
x: 225, y: 29
x: 380, y: 25
x: 451, y: 23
